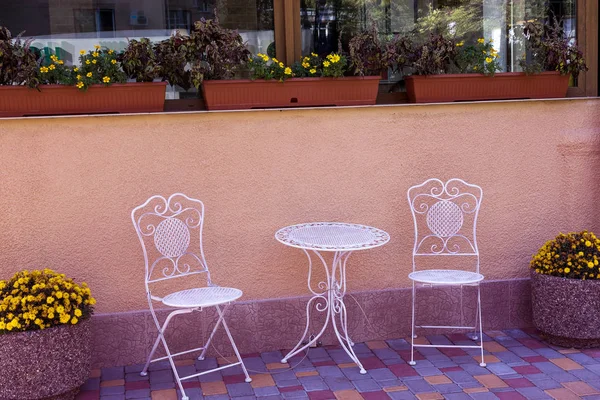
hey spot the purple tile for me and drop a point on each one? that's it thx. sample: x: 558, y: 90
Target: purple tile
x: 563, y: 376
x: 386, y: 354
x: 381, y: 374
x: 474, y: 369
x: 162, y: 385
x: 508, y: 341
x: 137, y: 394
x: 337, y: 383
x: 283, y: 376
x: 239, y: 389
x: 234, y: 370
x: 517, y: 334
x: 159, y: 365
x: 508, y: 357
x: 288, y: 383
x: 113, y: 397
x: 398, y: 344
x: 91, y: 384
x: 130, y: 369
x: 427, y: 371
x: 218, y: 397
x: 585, y: 375
x: 547, y: 367
x: 110, y: 374
x: 463, y: 359
x: 500, y: 369
x: 277, y: 356
x: 266, y: 391
x: 548, y: 353
x: 300, y: 394
x: 402, y: 395
x: 533, y: 393
x: 447, y: 388
x: 523, y: 351
x: 461, y: 377
x: 366, y: 385
x: 457, y: 396
x: 545, y: 384
x: 438, y: 339
x: 161, y: 376
x: 354, y: 374
x: 112, y: 390
x: 484, y: 396
x: 206, y: 364
x: 135, y: 377
x: 419, y: 386
x: 210, y: 377
x: 313, y: 383
x: 330, y: 371
x: 582, y: 359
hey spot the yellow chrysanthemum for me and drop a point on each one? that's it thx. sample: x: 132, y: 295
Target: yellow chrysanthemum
x: 481, y: 40
x: 113, y: 61
x: 106, y: 79
x: 326, y: 64
x: 313, y: 71
x: 288, y: 71
x: 82, y: 52
x: 89, y: 74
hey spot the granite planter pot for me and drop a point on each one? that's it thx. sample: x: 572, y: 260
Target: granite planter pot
x: 567, y: 311
x: 295, y: 92
x: 48, y: 364
x: 470, y: 87
x: 18, y: 101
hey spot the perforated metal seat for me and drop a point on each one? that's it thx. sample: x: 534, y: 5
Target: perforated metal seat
x: 445, y: 277
x: 202, y: 297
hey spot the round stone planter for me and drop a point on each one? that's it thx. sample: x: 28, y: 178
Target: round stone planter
x: 48, y: 364
x: 567, y: 311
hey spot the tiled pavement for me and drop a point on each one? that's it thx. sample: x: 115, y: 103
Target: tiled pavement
x: 520, y: 366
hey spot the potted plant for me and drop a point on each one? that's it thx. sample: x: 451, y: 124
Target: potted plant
x: 217, y: 55
x: 450, y: 70
x: 97, y: 85
x: 565, y: 273
x: 45, y: 334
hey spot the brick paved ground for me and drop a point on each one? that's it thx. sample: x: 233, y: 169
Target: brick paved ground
x: 520, y: 366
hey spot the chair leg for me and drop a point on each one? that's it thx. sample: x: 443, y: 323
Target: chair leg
x: 482, y: 363
x: 212, y: 334
x: 412, y: 335
x: 235, y: 349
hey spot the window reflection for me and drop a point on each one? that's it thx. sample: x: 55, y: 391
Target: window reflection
x: 328, y: 23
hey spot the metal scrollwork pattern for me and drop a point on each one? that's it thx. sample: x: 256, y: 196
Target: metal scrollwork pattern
x: 167, y: 230
x: 445, y: 217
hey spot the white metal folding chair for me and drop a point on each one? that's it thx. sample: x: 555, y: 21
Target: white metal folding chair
x: 445, y: 223
x: 170, y: 232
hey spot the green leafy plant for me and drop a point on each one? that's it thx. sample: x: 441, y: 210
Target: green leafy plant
x: 215, y: 52
x: 139, y: 60
x: 98, y: 66
x: 263, y: 67
x: 480, y: 57
x: 435, y: 56
x: 18, y: 64
x: 575, y: 255
x: 171, y: 56
x: 334, y: 65
x: 54, y: 71
x: 310, y: 66
x: 548, y: 49
x: 366, y: 53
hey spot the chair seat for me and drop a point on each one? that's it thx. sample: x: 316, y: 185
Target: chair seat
x: 445, y: 277
x: 202, y: 297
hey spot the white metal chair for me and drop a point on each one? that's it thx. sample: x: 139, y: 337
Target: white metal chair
x: 170, y: 232
x: 445, y: 223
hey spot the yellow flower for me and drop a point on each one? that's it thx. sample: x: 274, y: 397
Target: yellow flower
x: 95, y: 54
x: 326, y: 64
x: 460, y: 44
x: 275, y: 60
x: 491, y: 40
x: 288, y: 71
x: 313, y: 54
x: 89, y: 74
x: 49, y: 300
x: 87, y: 62
x: 481, y: 40
x: 313, y: 71
x: 59, y: 295
x: 280, y: 65
x: 74, y: 320
x: 78, y: 77
x: 111, y: 51
x: 488, y: 59
x: 94, y: 61
x: 60, y: 62
x: 590, y: 265
x: 53, y: 57
x: 78, y: 312
x: 82, y: 52
x: 64, y: 318
x: 305, y: 65
x: 113, y: 61
x: 97, y: 46
x: 52, y: 67
x: 335, y: 58
x: 567, y: 270
x: 75, y: 69
x: 43, y: 70
x: 106, y: 79
x: 588, y: 243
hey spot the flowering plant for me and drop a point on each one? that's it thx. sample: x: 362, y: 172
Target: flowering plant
x: 18, y: 62
x: 479, y: 57
x: 55, y: 72
x: 573, y: 255
x: 98, y: 66
x: 334, y: 65
x: 263, y: 67
x: 42, y: 299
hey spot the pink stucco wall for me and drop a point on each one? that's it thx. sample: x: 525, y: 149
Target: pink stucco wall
x: 67, y: 186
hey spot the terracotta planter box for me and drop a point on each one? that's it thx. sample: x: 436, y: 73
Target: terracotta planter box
x: 52, y: 363
x: 567, y: 311
x: 501, y: 86
x: 18, y: 101
x: 295, y: 92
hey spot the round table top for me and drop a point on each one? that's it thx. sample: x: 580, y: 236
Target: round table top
x: 332, y: 236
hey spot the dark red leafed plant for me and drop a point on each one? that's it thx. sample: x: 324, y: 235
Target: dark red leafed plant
x: 18, y: 63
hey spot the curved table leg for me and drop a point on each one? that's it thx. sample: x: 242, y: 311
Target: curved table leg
x: 333, y: 297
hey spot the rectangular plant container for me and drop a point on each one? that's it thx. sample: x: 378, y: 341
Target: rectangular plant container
x: 295, y: 92
x: 501, y: 86
x: 18, y: 101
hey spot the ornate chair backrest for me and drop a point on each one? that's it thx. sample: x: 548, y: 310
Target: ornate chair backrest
x: 170, y: 232
x: 445, y: 218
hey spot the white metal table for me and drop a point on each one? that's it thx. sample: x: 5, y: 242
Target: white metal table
x: 341, y: 239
